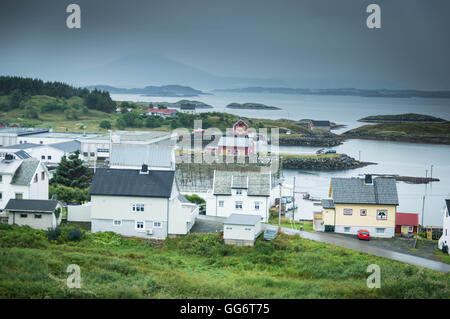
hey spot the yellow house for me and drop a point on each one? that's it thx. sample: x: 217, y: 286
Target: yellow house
x: 361, y: 203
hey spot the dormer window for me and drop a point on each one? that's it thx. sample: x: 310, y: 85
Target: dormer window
x: 368, y: 180
x: 239, y: 192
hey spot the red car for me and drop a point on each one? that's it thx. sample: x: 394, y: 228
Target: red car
x: 363, y: 234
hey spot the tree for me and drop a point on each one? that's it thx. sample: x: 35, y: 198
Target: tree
x: 31, y: 112
x: 72, y: 172
x: 105, y: 124
x: 15, y: 98
x: 121, y: 124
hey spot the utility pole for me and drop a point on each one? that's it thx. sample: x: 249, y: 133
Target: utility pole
x: 423, y: 210
x: 359, y: 156
x: 293, y: 201
x: 431, y: 173
x: 279, y: 211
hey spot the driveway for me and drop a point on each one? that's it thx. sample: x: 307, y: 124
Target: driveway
x: 207, y: 224
x: 366, y: 247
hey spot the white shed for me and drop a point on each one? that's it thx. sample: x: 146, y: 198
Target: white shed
x: 241, y: 229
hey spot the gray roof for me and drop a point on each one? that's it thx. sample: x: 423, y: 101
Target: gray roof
x: 354, y: 191
x: 24, y: 174
x: 129, y: 182
x: 242, y: 219
x: 32, y: 205
x: 22, y: 146
x: 447, y: 202
x: 136, y: 155
x: 327, y: 203
x: 22, y: 154
x: 68, y: 147
x: 258, y: 183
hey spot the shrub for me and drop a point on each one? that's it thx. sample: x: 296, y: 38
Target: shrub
x: 105, y: 124
x: 445, y: 249
x: 53, y: 234
x: 74, y: 235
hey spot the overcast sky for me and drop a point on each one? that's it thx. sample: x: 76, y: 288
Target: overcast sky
x: 324, y: 43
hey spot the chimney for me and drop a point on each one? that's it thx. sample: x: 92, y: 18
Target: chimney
x: 144, y: 169
x: 368, y: 179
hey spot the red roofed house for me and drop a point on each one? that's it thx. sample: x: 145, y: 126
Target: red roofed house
x: 162, y: 112
x: 406, y: 224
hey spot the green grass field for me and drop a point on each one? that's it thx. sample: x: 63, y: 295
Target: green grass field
x: 199, y: 266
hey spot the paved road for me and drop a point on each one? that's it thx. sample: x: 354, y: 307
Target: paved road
x: 369, y: 249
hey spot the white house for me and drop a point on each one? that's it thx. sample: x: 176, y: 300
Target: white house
x: 47, y: 153
x: 445, y: 238
x: 139, y: 202
x: 22, y: 179
x: 240, y: 193
x: 241, y: 229
x: 36, y: 213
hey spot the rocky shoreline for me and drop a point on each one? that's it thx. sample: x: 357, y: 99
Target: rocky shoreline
x: 339, y: 162
x: 251, y: 106
x: 310, y: 141
x: 409, y: 138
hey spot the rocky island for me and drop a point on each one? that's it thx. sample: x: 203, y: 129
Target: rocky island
x: 251, y: 106
x: 402, y: 118
x: 326, y: 162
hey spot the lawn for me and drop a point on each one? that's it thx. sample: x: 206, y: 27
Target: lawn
x: 199, y: 266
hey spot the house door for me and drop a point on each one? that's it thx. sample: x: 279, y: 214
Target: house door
x: 404, y: 229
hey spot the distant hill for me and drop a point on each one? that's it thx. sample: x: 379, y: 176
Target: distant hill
x: 343, y: 91
x: 164, y: 90
x: 402, y: 118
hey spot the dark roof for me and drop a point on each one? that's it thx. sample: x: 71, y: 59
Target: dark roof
x: 320, y: 123
x: 407, y: 219
x: 256, y: 183
x: 242, y: 219
x: 327, y: 203
x: 22, y: 154
x: 32, y: 205
x: 382, y: 191
x: 128, y: 182
x: 22, y: 146
x: 68, y: 147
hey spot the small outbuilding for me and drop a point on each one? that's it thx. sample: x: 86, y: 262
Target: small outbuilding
x: 241, y: 229
x: 36, y: 213
x: 406, y: 224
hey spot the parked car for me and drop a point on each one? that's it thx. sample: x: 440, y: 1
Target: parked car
x: 363, y: 234
x: 330, y: 152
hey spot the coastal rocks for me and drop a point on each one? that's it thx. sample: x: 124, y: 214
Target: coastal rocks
x: 339, y: 162
x: 251, y: 106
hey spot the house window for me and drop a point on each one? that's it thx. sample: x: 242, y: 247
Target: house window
x: 36, y: 178
x: 257, y: 205
x: 37, y: 216
x: 220, y: 203
x: 247, y: 229
x: 156, y: 224
x: 92, y: 154
x: 19, y: 196
x: 346, y: 229
x: 238, y: 205
x: 380, y: 230
x: 117, y: 222
x: 43, y: 157
x: 139, y: 225
x: 23, y: 215
x: 363, y: 212
x: 42, y: 176
x: 238, y: 191
x: 348, y: 211
x: 410, y: 229
x: 228, y: 228
x: 1, y: 196
x: 1, y: 178
x: 41, y: 142
x: 85, y: 154
x: 382, y: 214
x: 49, y: 157
x: 138, y: 207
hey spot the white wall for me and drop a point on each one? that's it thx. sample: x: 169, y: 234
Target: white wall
x: 241, y: 232
x: 445, y: 238
x: 79, y: 213
x: 248, y: 205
